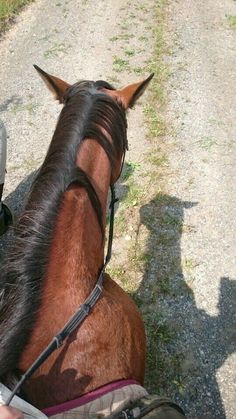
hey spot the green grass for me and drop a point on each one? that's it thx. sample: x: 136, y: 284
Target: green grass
x: 207, y: 143
x: 189, y: 264
x: 134, y: 195
x: 9, y: 8
x: 232, y: 21
x: 56, y: 50
x: 157, y: 158
x: 129, y: 52
x: 120, y: 64
x: 139, y: 260
x: 171, y: 221
x: 31, y: 108
x: 152, y: 253
x: 158, y: 335
x: 155, y: 121
x: 122, y: 37
x: 138, y: 70
x: 120, y: 222
x: 119, y: 274
x: 114, y: 38
x: 129, y: 169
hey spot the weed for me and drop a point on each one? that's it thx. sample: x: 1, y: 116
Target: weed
x: 158, y: 333
x: 114, y: 38
x: 187, y: 228
x: 207, y: 142
x: 143, y: 38
x: 170, y: 220
x: 118, y: 273
x: 191, y: 181
x: 115, y: 272
x: 189, y: 264
x: 57, y: 50
x: 65, y: 12
x: 30, y: 107
x: 138, y: 70
x: 142, y: 7
x: 216, y: 122
x: 113, y: 79
x: 119, y: 64
x: 154, y: 177
x: 179, y: 384
x: 157, y: 158
x: 31, y: 163
x: 164, y: 286
x: 129, y: 52
x: 126, y: 36
x: 155, y: 121
x: 129, y: 169
x: 134, y: 196
x: 232, y: 21
x: 139, y: 260
x: 120, y: 222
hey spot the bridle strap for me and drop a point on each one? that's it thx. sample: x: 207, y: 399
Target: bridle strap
x: 83, y: 311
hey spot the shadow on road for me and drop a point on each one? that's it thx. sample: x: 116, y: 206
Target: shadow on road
x: 186, y: 346
x: 13, y: 100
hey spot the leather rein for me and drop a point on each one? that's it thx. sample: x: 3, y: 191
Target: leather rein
x: 83, y: 311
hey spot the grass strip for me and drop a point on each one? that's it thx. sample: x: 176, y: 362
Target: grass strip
x: 9, y: 9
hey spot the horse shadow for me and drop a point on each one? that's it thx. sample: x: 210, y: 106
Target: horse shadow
x: 186, y: 345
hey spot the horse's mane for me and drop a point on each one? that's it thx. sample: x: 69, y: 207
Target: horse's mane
x: 88, y: 113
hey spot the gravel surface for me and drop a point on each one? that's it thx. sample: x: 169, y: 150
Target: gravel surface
x: 202, y: 113
x: 75, y: 40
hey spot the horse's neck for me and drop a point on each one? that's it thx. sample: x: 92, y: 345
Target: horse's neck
x: 77, y: 252
x: 78, y: 246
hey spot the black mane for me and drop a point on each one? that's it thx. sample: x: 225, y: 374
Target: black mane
x: 87, y: 109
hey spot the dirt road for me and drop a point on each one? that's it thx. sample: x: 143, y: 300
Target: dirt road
x: 202, y: 108
x: 175, y: 249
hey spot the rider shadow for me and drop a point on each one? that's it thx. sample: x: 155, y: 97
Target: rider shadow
x: 14, y: 100
x: 186, y: 345
x: 61, y: 378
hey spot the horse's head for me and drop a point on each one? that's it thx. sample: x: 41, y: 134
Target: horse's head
x: 122, y: 99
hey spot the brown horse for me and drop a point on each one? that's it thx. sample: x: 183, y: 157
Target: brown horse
x: 59, y: 250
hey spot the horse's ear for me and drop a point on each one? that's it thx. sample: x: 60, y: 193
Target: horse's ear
x: 130, y: 94
x: 55, y: 85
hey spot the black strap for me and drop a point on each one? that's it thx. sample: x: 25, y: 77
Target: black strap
x: 111, y: 226
x: 83, y: 311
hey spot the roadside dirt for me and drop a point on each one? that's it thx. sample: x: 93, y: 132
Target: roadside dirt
x: 174, y: 249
